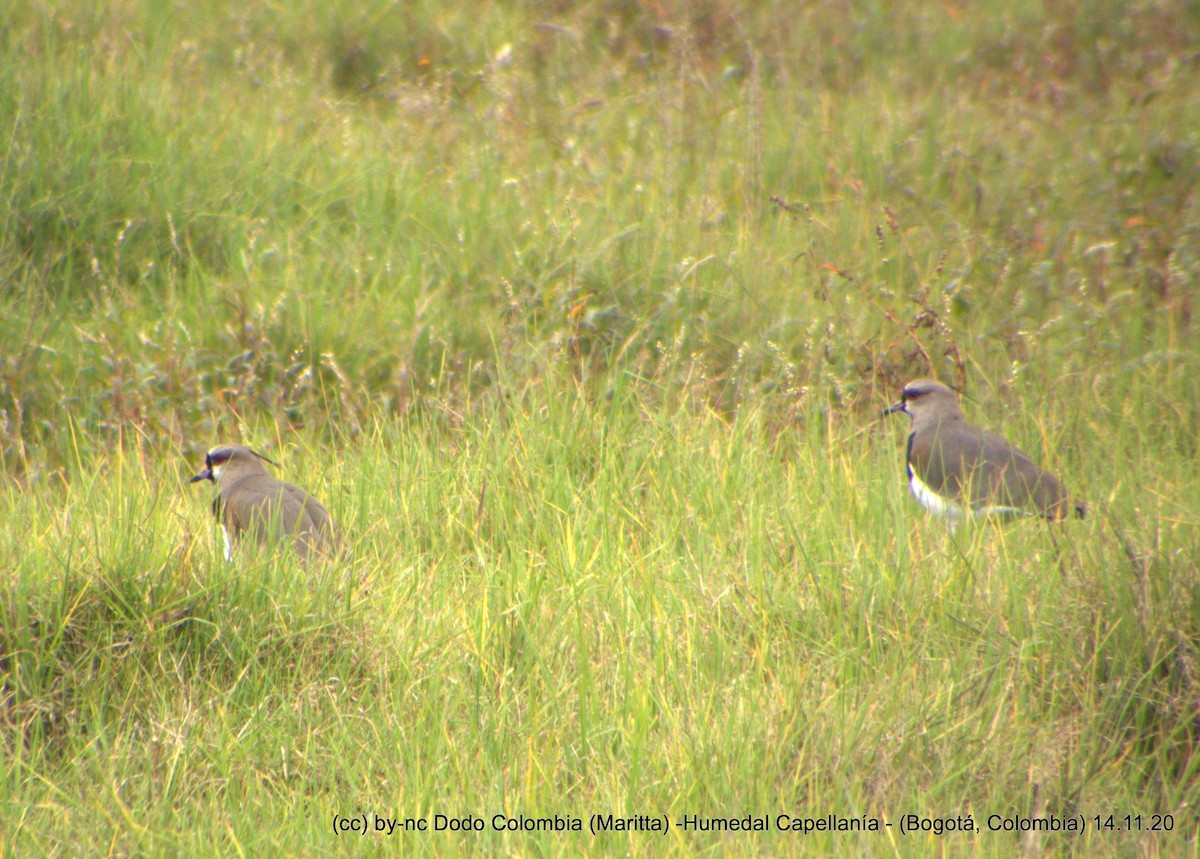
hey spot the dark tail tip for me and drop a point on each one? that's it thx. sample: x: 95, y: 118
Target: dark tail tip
x: 1080, y: 509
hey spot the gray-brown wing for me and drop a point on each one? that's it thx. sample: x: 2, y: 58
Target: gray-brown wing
x: 314, y: 528
x: 268, y: 510
x: 1011, y: 479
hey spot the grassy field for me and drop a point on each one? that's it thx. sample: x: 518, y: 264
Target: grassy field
x: 580, y: 318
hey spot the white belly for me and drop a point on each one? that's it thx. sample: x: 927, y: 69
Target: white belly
x: 933, y: 502
x: 952, y: 510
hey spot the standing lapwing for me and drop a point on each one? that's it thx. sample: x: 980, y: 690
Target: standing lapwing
x: 958, y: 470
x: 251, y: 503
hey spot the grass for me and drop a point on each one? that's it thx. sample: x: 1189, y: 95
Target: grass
x: 580, y: 319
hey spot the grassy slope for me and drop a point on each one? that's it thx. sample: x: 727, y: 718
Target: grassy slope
x: 602, y: 418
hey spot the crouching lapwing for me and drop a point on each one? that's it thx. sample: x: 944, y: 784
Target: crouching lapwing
x: 252, y: 504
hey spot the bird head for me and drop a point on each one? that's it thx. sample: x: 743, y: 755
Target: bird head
x: 925, y: 398
x: 227, y: 458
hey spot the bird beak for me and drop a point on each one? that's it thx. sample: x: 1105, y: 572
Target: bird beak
x: 894, y: 407
x: 206, y: 474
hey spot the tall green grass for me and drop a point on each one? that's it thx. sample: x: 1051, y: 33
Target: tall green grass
x: 572, y: 606
x: 579, y: 319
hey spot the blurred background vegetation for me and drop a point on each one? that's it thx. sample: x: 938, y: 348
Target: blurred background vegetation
x: 324, y: 214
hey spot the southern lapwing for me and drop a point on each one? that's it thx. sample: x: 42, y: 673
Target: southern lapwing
x: 958, y: 470
x: 252, y: 504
